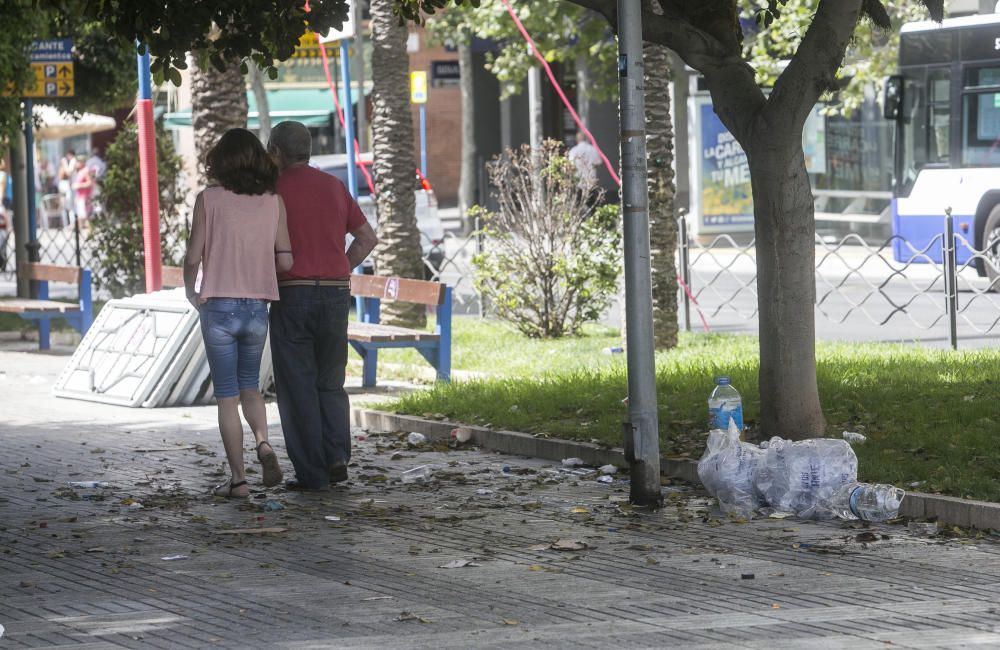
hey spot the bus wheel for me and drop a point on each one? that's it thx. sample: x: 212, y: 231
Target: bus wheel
x: 991, y: 248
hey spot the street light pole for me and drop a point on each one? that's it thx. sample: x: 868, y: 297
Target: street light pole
x: 642, y: 429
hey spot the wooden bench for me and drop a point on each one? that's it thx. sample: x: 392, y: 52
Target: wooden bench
x: 43, y: 310
x: 367, y: 336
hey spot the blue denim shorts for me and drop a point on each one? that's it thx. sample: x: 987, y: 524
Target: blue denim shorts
x: 234, y: 330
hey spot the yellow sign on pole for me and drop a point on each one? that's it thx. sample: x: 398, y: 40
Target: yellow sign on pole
x: 53, y: 79
x: 418, y: 87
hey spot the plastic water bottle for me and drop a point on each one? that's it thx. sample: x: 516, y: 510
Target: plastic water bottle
x: 866, y: 501
x: 724, y: 403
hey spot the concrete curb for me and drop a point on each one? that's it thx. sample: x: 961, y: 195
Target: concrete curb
x: 948, y: 510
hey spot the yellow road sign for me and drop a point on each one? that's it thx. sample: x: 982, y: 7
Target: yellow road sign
x: 53, y: 79
x: 418, y: 87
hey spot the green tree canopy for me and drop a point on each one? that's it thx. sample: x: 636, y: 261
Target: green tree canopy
x: 871, y: 55
x: 563, y: 32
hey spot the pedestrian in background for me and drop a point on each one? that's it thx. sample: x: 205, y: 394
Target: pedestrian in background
x: 239, y: 236
x: 65, y: 177
x: 83, y: 190
x: 309, y: 324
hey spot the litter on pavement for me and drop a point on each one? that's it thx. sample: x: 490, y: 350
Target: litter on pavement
x: 814, y: 479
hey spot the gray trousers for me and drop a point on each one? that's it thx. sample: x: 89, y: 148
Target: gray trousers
x: 309, y: 350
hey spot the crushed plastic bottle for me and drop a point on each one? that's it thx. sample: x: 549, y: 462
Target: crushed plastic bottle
x: 418, y: 474
x: 854, y: 436
x: 724, y: 404
x: 416, y: 439
x: 866, y: 501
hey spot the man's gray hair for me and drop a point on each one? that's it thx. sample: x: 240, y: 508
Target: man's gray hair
x: 293, y: 140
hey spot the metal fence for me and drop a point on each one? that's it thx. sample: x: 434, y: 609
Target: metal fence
x: 66, y: 245
x: 448, y: 260
x: 451, y: 261
x: 929, y: 291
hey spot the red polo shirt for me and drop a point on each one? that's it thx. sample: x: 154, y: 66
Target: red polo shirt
x: 320, y: 213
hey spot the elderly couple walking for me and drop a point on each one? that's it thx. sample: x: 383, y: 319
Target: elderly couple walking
x: 273, y: 229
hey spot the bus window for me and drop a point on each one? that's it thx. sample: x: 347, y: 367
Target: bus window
x: 926, y: 123
x: 939, y: 87
x: 981, y: 111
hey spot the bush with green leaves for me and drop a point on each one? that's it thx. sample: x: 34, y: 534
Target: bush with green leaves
x: 551, y: 258
x: 116, y: 229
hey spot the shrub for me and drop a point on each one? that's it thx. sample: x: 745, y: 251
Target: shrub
x: 551, y: 259
x: 116, y: 228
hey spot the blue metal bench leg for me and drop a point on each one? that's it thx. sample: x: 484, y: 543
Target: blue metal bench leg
x: 443, y: 364
x: 43, y: 333
x: 44, y: 326
x: 369, y: 367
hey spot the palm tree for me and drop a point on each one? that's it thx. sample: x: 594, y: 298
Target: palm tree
x: 399, y: 251
x: 218, y: 103
x: 660, y: 181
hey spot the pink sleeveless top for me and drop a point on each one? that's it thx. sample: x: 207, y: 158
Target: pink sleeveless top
x: 240, y: 229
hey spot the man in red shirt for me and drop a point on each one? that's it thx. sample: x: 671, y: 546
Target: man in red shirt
x: 309, y: 323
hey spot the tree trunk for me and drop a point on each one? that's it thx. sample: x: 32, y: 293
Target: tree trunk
x: 660, y: 180
x: 399, y: 251
x: 263, y: 108
x: 467, y: 181
x: 218, y: 103
x: 784, y: 222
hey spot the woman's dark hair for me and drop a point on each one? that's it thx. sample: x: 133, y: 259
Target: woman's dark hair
x: 240, y: 164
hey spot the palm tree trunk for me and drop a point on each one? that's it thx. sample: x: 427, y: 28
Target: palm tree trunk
x: 660, y: 170
x: 218, y: 103
x: 398, y: 253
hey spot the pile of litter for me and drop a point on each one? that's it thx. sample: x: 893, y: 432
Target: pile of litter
x: 812, y: 479
x: 145, y: 350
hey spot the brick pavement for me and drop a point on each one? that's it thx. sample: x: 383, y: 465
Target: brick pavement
x: 84, y: 567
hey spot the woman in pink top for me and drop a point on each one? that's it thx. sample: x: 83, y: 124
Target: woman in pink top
x: 83, y: 190
x: 239, y: 237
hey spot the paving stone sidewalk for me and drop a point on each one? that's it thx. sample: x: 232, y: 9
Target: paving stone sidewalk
x: 85, y: 567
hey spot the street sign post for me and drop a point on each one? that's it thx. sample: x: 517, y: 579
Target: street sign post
x: 418, y: 96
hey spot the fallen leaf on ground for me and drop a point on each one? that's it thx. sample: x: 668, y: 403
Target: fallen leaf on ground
x: 458, y: 564
x: 568, y: 545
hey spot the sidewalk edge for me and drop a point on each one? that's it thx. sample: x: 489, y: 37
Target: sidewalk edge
x: 948, y: 510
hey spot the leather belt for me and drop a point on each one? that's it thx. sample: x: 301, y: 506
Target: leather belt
x: 344, y: 284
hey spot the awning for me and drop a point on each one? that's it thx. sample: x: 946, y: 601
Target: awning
x: 311, y: 106
x: 54, y: 124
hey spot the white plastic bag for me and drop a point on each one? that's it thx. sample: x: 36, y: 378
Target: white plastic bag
x: 799, y: 476
x: 728, y: 470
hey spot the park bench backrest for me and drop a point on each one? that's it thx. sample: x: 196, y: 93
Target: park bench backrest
x: 172, y: 276
x: 53, y: 273
x: 400, y: 289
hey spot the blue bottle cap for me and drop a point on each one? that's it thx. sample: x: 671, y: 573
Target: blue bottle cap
x: 722, y: 381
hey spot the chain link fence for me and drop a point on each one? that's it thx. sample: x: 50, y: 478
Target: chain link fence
x: 855, y: 281
x: 450, y: 260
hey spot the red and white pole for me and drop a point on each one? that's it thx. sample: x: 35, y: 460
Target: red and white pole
x: 148, y: 178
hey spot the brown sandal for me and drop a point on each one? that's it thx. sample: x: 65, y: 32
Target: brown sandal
x: 226, y: 490
x: 272, y: 470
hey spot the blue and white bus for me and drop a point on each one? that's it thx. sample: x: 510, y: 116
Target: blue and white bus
x: 946, y: 105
